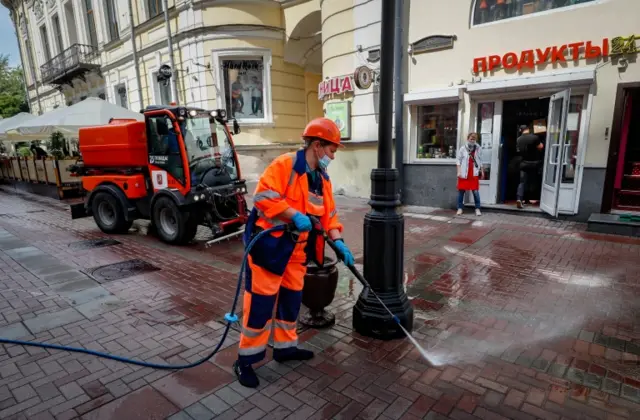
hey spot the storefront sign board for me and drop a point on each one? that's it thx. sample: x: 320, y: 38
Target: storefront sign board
x: 528, y: 59
x: 335, y: 85
x: 433, y: 43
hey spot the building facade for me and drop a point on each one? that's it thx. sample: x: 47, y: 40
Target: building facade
x: 258, y: 59
x: 565, y: 68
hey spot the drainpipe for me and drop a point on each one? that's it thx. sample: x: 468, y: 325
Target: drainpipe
x: 174, y: 85
x: 399, y: 97
x: 135, y: 54
x: 24, y: 75
x: 29, y: 62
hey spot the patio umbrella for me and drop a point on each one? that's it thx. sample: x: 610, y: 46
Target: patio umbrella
x: 10, y: 123
x: 69, y: 120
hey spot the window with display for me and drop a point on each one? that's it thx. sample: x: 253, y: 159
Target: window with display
x: 245, y: 85
x: 437, y: 134
x: 486, y: 11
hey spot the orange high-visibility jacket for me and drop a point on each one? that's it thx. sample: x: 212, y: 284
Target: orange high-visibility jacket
x: 284, y: 184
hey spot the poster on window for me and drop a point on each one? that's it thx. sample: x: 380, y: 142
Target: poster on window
x: 340, y: 113
x: 244, y: 86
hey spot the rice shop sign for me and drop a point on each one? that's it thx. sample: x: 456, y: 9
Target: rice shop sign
x: 529, y: 59
x: 335, y: 85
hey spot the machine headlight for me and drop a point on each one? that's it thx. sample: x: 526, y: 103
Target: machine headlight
x: 223, y: 114
x: 214, y: 114
x: 196, y: 198
x: 193, y: 113
x: 202, y: 197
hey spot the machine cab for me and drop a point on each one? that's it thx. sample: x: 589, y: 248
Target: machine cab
x: 190, y: 149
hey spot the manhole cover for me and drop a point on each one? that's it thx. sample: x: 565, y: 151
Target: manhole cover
x: 93, y: 243
x: 121, y: 270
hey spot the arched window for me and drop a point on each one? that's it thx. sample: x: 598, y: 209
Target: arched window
x: 486, y: 11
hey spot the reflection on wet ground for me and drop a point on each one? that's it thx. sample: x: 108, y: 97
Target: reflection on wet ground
x: 504, y: 305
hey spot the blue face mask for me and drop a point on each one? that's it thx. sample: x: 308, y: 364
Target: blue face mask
x: 324, y: 162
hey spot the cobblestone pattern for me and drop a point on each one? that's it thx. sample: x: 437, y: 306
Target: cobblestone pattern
x: 524, y: 318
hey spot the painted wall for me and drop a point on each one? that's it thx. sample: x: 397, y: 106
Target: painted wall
x: 589, y: 22
x: 198, y: 30
x: 348, y: 24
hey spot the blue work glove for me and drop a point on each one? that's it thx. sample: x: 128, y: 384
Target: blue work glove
x: 346, y: 256
x: 302, y: 222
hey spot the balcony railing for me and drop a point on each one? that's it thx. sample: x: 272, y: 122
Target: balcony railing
x: 67, y: 64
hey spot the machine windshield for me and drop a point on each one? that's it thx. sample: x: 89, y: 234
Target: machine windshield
x: 208, y: 146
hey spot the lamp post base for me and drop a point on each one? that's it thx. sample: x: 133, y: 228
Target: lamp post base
x: 370, y: 319
x: 383, y: 263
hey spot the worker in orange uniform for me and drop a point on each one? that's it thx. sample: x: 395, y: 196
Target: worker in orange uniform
x: 292, y: 187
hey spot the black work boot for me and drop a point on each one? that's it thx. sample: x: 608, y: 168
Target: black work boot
x: 246, y: 375
x: 292, y: 354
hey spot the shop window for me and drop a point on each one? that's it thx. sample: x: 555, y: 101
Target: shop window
x: 246, y: 86
x: 161, y: 89
x: 486, y: 11
x: 486, y: 111
x: 573, y: 136
x: 121, y: 95
x: 437, y: 134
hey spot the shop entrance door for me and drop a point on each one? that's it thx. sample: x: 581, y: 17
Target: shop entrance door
x: 555, y: 153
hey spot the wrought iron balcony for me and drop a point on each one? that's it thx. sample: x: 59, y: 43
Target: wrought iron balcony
x: 72, y: 62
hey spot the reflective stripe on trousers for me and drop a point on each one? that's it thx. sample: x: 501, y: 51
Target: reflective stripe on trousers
x: 264, y: 291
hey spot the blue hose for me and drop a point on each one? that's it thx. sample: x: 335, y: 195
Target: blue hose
x: 230, y: 317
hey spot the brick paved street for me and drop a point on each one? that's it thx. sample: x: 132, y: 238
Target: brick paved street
x: 523, y: 318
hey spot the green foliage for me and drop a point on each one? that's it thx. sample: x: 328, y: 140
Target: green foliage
x: 24, y: 152
x: 57, y: 145
x: 12, y: 94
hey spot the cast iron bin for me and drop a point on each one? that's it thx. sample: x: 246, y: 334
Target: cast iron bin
x: 320, y: 285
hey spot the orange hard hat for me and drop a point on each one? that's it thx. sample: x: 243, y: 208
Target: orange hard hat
x: 325, y: 129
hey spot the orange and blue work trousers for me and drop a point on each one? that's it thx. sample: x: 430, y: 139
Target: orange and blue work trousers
x: 265, y: 290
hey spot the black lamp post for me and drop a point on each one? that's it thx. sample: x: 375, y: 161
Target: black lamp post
x: 383, y: 225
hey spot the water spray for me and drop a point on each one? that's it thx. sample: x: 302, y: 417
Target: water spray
x: 368, y: 289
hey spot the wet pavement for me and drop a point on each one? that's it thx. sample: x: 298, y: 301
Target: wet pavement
x: 522, y: 318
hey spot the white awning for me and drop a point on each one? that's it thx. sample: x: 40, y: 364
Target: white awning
x: 433, y: 96
x: 556, y: 79
x: 10, y: 123
x: 68, y: 120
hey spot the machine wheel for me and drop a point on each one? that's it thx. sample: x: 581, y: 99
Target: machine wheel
x: 172, y: 225
x: 109, y: 214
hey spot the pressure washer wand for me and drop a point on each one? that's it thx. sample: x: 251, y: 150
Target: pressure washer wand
x: 367, y: 286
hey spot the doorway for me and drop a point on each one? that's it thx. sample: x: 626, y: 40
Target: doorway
x: 626, y: 190
x: 516, y: 114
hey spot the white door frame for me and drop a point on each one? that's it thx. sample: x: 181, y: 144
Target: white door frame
x: 502, y: 96
x: 489, y: 188
x: 550, y: 194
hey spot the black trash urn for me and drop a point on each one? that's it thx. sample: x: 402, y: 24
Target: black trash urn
x: 320, y: 285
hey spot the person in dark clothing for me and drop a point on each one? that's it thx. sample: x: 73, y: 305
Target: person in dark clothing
x: 529, y: 147
x: 38, y: 151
